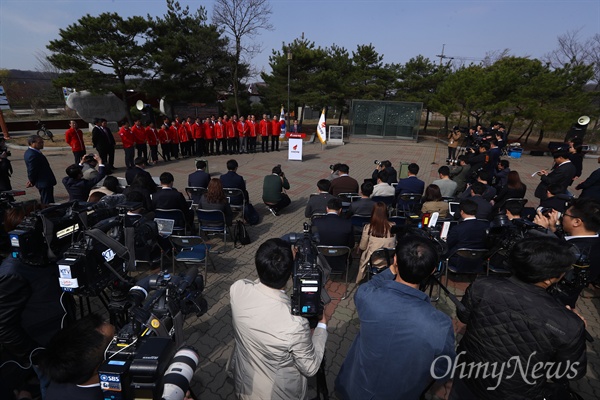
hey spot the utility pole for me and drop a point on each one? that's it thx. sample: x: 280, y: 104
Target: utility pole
x: 442, y: 56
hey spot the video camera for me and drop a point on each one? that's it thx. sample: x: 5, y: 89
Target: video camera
x: 310, y: 273
x: 142, y: 357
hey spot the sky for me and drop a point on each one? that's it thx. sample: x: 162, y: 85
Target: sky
x: 398, y: 29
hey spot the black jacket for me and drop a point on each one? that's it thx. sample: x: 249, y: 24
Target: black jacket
x: 79, y: 189
x: 508, y: 318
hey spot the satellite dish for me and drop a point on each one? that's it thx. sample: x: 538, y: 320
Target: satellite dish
x: 140, y: 105
x: 583, y: 120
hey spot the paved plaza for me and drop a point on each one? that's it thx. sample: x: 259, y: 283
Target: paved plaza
x: 212, y: 333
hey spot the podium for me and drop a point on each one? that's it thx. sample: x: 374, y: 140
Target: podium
x: 295, y: 146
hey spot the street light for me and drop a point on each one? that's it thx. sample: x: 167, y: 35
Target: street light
x: 289, y: 59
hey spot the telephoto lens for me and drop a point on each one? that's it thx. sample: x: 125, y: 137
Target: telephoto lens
x: 178, y: 376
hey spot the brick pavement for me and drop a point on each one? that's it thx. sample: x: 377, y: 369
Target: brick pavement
x: 212, y: 335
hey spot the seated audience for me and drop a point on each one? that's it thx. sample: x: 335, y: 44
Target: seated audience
x: 446, y: 185
x: 364, y: 205
x: 385, y: 165
x: 484, y: 208
x: 343, y: 183
x: 432, y: 201
x: 501, y: 174
x: 469, y: 233
x: 139, y: 184
x: 214, y: 199
x: 232, y: 180
x: 334, y: 230
x: 514, y: 189
x: 460, y: 174
x: 317, y: 203
x: 555, y: 198
x: 382, y: 188
x: 375, y: 235
x: 170, y: 198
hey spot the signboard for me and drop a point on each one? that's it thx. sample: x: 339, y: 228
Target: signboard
x: 295, y: 149
x: 336, y: 135
x: 3, y: 100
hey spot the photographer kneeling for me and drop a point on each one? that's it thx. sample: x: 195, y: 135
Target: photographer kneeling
x: 274, y: 350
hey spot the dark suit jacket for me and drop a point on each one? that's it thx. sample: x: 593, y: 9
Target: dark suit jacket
x: 131, y: 173
x: 334, y: 230
x: 233, y: 180
x: 591, y: 186
x: 412, y: 184
x: 39, y: 172
x: 484, y: 207
x: 562, y: 175
x: 169, y: 198
x: 469, y: 234
x: 317, y: 204
x: 79, y: 189
x: 199, y: 179
x: 363, y: 206
x: 343, y: 184
x: 102, y: 140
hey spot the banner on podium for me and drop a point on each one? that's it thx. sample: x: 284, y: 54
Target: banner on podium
x: 295, y: 149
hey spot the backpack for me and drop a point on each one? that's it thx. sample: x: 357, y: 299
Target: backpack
x: 240, y: 234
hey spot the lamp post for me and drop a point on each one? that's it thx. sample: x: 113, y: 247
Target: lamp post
x: 289, y: 59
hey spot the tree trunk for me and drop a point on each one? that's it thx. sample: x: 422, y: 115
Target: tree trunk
x: 238, y: 50
x: 539, y: 141
x: 426, y: 121
x: 528, y: 129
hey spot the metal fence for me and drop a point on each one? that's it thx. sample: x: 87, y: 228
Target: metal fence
x: 399, y: 119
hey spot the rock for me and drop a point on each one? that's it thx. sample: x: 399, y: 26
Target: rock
x: 89, y: 106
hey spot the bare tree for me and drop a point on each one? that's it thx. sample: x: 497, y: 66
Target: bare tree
x: 571, y: 50
x: 242, y: 20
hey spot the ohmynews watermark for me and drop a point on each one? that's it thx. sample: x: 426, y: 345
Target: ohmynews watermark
x: 529, y: 372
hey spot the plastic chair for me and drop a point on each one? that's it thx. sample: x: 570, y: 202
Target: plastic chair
x: 212, y: 222
x: 387, y: 200
x: 466, y: 254
x: 398, y: 220
x: 194, y: 193
x: 191, y: 250
x: 346, y: 200
x: 173, y: 214
x: 236, y: 196
x: 408, y: 203
x: 316, y: 216
x: 380, y: 260
x: 338, y: 251
x: 358, y: 223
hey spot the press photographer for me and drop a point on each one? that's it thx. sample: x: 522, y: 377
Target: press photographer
x: 274, y: 350
x: 385, y: 165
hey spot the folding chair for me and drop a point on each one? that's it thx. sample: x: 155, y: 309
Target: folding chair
x: 212, y: 222
x: 237, y: 201
x: 387, y: 200
x: 380, y: 260
x: 408, y: 202
x: 468, y: 262
x: 176, y: 215
x: 358, y: 223
x: 191, y: 250
x: 338, y: 251
x: 346, y: 200
x: 195, y: 193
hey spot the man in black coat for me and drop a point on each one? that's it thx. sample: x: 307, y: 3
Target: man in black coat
x: 104, y: 142
x: 77, y: 187
x: 470, y: 233
x: 334, y: 230
x: 317, y: 202
x: 562, y: 174
x: 139, y: 169
x: 232, y: 180
x: 170, y: 198
x: 364, y: 205
x: 199, y: 178
x: 39, y: 172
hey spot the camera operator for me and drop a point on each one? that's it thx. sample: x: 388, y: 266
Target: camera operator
x: 274, y: 350
x: 515, y: 320
x: 76, y: 185
x: 274, y: 187
x: 31, y: 312
x: 579, y: 226
x: 385, y: 165
x: 5, y: 167
x: 401, y: 333
x: 72, y: 358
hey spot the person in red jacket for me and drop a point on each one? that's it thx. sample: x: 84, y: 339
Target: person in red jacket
x: 236, y: 134
x: 152, y: 138
x: 74, y: 138
x: 183, y: 139
x: 139, y: 132
x: 220, y: 136
x: 174, y: 138
x: 190, y: 136
x: 264, y: 128
x: 198, y: 134
x: 209, y: 137
x: 243, y: 129
x: 128, y: 140
x: 252, y: 133
x: 229, y: 134
x: 165, y: 142
x: 275, y: 130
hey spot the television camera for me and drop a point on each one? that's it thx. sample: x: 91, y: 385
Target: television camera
x: 142, y: 357
x: 309, y: 276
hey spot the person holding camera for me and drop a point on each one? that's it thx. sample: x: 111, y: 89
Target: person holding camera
x: 401, y: 333
x: 514, y: 321
x: 453, y: 138
x: 274, y: 187
x: 78, y: 187
x: 385, y: 165
x: 274, y: 351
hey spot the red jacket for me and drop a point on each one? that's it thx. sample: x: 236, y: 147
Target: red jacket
x: 229, y: 129
x: 127, y: 137
x: 139, y: 133
x: 264, y: 127
x: 219, y: 130
x: 75, y: 139
x: 188, y: 131
x: 197, y: 131
x: 243, y: 128
x: 275, y: 128
x: 173, y: 135
x: 252, y: 126
x: 151, y: 136
x: 163, y: 135
x: 183, y: 137
x: 209, y: 131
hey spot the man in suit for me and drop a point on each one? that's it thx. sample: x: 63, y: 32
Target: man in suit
x: 78, y: 187
x: 274, y: 351
x: 563, y: 173
x: 104, y: 142
x: 343, y: 183
x: 410, y: 184
x: 364, y: 205
x: 232, y: 180
x: 39, y: 172
x: 484, y: 207
x: 334, y: 230
x: 170, y: 198
x: 199, y: 178
x: 317, y: 203
x: 470, y: 233
x: 139, y: 168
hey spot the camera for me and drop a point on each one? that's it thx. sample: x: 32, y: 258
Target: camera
x: 568, y: 288
x: 377, y: 162
x: 142, y: 357
x: 309, y: 276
